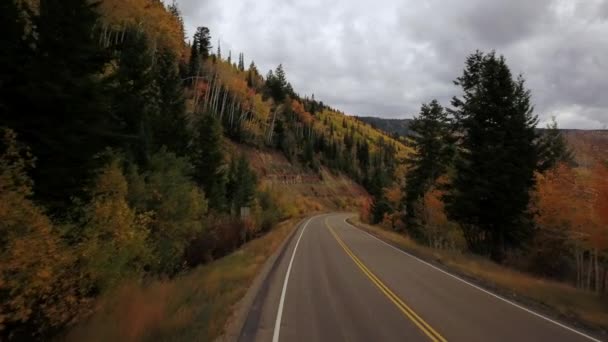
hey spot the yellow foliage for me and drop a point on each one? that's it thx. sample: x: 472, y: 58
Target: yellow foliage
x: 35, y: 278
x: 160, y: 25
x: 115, y: 244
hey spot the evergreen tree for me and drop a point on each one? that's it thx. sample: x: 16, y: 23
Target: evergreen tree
x: 136, y: 96
x: 202, y: 41
x: 241, y: 65
x: 194, y: 62
x: 433, y: 151
x: 363, y: 154
x: 200, y: 49
x: 208, y: 161
x: 490, y: 192
x: 553, y: 148
x: 170, y: 126
x: 242, y: 184
x: 55, y: 99
x: 252, y: 76
x: 276, y: 83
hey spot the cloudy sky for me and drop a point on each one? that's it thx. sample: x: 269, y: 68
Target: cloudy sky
x: 386, y: 57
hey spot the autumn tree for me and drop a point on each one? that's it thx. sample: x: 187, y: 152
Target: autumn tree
x: 494, y: 171
x: 36, y: 268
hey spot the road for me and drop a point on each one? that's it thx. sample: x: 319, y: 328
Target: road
x: 335, y: 282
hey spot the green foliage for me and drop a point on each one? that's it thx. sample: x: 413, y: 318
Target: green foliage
x: 433, y: 152
x: 170, y: 126
x: 115, y: 235
x: 495, y: 166
x: 553, y: 148
x: 199, y: 50
x: 276, y: 84
x: 175, y: 204
x: 54, y: 98
x: 136, y: 95
x: 208, y: 159
x: 241, y: 184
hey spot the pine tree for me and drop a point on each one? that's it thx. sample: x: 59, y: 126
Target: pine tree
x: 276, y: 84
x: 58, y: 99
x: 194, y: 62
x: 242, y: 184
x: 170, y: 126
x: 433, y: 151
x: 208, y: 161
x: 252, y: 75
x: 136, y: 96
x: 241, y: 62
x: 490, y: 192
x: 202, y: 40
x: 553, y: 148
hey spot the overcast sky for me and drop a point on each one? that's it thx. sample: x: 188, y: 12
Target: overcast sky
x: 384, y: 58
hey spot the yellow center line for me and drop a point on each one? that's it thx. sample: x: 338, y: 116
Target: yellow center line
x: 406, y: 310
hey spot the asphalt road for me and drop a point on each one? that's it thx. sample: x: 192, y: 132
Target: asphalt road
x: 335, y: 282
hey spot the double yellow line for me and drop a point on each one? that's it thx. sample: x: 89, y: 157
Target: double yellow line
x: 407, y: 311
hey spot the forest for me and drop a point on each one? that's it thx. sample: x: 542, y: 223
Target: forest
x: 119, y: 160
x: 119, y: 157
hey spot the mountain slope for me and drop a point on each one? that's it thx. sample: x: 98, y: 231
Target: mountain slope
x: 390, y: 126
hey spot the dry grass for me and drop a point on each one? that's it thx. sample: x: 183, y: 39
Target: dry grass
x: 192, y: 307
x: 554, y: 297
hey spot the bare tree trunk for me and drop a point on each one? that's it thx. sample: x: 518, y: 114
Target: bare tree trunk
x: 232, y: 108
x: 196, y: 95
x: 218, y: 91
x: 208, y: 94
x: 274, y: 115
x: 223, y: 104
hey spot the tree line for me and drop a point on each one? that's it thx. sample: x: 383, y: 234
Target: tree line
x: 481, y: 170
x: 107, y: 174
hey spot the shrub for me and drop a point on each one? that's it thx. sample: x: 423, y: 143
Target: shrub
x: 38, y: 291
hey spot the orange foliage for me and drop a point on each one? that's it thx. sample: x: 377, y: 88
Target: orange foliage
x: 35, y: 278
x: 302, y: 114
x: 600, y: 184
x: 563, y: 203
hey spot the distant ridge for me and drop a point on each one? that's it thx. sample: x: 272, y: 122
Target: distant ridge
x: 391, y: 126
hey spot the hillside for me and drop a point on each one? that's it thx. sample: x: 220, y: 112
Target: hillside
x: 390, y: 126
x: 300, y: 188
x: 129, y: 155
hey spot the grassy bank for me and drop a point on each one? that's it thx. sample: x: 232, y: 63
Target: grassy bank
x: 555, y: 298
x: 192, y: 307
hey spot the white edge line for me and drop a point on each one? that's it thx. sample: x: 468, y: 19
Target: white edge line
x: 277, y: 322
x: 479, y: 288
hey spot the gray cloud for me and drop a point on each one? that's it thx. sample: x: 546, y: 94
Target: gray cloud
x: 386, y: 57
